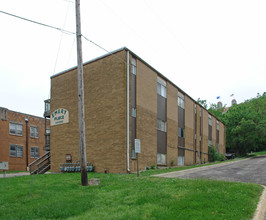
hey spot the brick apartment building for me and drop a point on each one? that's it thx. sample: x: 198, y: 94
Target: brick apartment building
x: 127, y: 99
x: 21, y: 138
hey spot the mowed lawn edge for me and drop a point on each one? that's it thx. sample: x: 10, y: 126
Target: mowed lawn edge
x: 121, y: 196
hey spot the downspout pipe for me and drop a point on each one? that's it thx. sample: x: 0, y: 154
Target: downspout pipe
x: 128, y: 169
x: 27, y: 143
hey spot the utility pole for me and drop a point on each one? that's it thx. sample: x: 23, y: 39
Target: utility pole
x: 82, y: 139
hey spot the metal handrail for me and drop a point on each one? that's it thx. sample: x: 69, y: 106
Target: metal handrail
x: 38, y: 162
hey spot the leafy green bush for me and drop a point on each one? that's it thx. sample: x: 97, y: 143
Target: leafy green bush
x: 214, y: 155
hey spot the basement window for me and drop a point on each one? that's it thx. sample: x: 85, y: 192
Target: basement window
x: 161, y: 158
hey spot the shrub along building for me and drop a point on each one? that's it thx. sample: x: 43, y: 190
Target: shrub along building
x: 22, y: 138
x: 127, y: 99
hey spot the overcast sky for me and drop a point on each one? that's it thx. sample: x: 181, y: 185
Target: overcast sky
x: 207, y: 48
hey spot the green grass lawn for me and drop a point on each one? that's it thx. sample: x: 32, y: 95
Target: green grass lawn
x: 125, y: 197
x: 258, y: 153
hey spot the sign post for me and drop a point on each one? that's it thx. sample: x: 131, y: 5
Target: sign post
x: 137, y: 151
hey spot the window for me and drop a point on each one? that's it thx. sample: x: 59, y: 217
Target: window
x: 161, y: 87
x: 47, y: 131
x: 133, y: 153
x: 210, y: 120
x: 195, y: 109
x: 181, y: 160
x: 47, y: 106
x: 217, y: 125
x: 209, y: 143
x: 161, y: 125
x: 181, y: 132
x: 161, y: 158
x: 15, y: 150
x: 15, y: 129
x: 181, y: 100
x: 3, y: 114
x: 34, y: 152
x: 133, y: 112
x: 133, y: 66
x: 34, y: 132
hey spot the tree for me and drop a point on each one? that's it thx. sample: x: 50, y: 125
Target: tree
x: 203, y: 103
x: 245, y: 124
x: 217, y: 111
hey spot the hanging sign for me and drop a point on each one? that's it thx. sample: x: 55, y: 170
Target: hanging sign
x: 59, y: 116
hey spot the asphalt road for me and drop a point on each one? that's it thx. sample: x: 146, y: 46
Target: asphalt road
x: 252, y: 170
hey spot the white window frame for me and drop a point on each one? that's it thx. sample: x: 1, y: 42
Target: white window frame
x: 133, y: 153
x: 161, y: 159
x: 217, y: 126
x: 161, y: 125
x: 181, y: 161
x: 181, y: 100
x: 210, y: 120
x: 34, y: 132
x: 133, y: 112
x: 33, y: 152
x: 17, y: 151
x: 16, y: 129
x: 133, y: 66
x: 161, y: 87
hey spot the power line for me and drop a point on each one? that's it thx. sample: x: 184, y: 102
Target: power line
x: 36, y: 22
x: 63, y: 31
x: 61, y: 37
x: 97, y: 45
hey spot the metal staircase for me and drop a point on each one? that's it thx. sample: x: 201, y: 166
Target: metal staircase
x: 41, y: 165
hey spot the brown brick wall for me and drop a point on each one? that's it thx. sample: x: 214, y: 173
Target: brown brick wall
x: 205, y: 135
x: 222, y: 138
x: 172, y: 125
x: 189, y: 130
x: 105, y: 112
x: 146, y: 97
x: 214, y: 131
x: 105, y: 115
x: 19, y: 163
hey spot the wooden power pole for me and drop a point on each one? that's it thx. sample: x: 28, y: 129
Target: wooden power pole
x: 82, y: 139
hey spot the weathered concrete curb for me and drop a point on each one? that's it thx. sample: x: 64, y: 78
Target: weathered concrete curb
x: 261, y: 208
x: 183, y: 172
x: 14, y: 175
